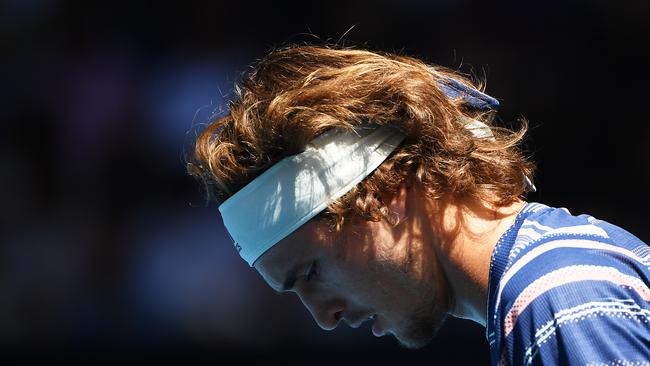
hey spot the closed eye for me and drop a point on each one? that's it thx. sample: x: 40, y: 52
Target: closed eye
x: 313, y: 271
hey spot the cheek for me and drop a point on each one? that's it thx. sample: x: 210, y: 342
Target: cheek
x: 348, y: 269
x: 351, y: 280
x: 358, y: 244
x: 351, y: 255
x: 370, y: 283
x: 360, y: 270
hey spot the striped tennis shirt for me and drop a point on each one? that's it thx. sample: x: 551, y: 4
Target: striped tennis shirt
x: 568, y: 290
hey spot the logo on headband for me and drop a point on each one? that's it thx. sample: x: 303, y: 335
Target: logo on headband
x: 238, y: 247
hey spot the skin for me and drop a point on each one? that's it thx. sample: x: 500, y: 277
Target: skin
x: 434, y: 263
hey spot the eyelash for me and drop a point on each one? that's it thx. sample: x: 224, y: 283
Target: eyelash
x: 312, y: 271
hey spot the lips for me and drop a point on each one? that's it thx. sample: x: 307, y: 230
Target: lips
x: 357, y: 323
x: 377, y: 324
x: 377, y: 327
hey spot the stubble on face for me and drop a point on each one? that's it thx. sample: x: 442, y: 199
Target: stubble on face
x: 425, y: 320
x: 416, y: 299
x: 423, y: 326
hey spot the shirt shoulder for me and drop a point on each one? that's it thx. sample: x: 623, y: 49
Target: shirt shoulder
x: 553, y: 228
x: 571, y: 283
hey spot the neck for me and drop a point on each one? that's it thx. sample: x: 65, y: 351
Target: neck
x: 467, y: 235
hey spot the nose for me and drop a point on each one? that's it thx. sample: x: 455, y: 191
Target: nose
x: 326, y: 312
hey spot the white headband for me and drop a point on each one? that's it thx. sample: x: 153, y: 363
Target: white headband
x: 299, y: 187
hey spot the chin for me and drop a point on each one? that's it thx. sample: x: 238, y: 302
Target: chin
x: 412, y: 343
x: 420, y: 332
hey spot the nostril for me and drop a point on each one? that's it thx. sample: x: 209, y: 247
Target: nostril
x: 338, y: 315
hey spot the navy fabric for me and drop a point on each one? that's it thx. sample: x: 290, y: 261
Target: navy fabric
x: 471, y: 97
x: 568, y: 290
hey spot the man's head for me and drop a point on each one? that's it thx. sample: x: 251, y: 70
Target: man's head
x: 372, y: 260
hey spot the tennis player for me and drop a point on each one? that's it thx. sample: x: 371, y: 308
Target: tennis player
x: 376, y: 187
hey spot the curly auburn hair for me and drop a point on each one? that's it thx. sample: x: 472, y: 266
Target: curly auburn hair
x: 297, y: 92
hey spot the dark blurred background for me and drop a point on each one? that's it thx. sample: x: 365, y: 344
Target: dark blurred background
x: 107, y: 247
